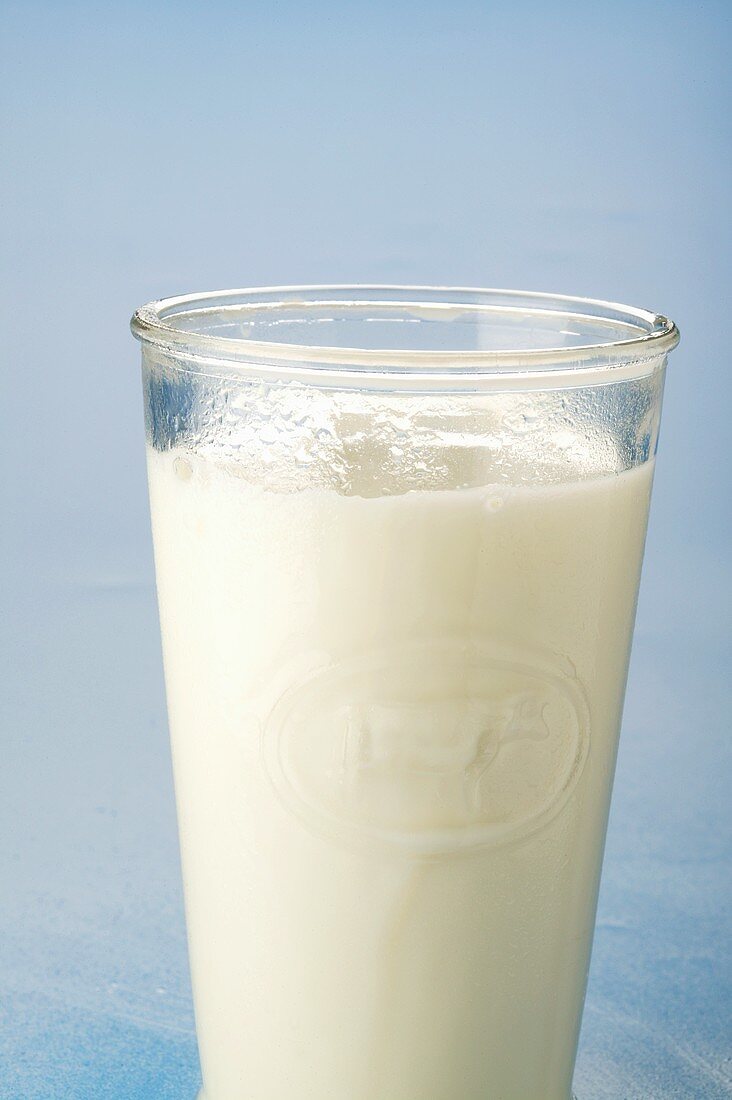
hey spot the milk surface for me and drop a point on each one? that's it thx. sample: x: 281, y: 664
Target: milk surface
x: 394, y: 724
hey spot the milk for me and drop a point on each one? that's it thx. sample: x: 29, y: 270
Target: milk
x: 394, y: 723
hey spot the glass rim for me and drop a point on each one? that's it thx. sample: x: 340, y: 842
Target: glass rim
x: 651, y: 335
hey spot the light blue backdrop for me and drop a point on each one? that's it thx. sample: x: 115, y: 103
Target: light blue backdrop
x: 150, y: 149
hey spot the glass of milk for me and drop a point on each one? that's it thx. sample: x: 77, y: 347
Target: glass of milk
x: 398, y: 535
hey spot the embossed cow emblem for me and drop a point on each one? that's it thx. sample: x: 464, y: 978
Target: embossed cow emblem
x: 446, y: 745
x: 431, y: 747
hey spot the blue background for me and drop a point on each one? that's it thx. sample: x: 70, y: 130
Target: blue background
x: 155, y: 148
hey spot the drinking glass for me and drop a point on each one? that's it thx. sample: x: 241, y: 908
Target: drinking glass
x: 398, y: 535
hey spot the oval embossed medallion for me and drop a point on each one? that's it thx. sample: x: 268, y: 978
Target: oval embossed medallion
x: 433, y: 747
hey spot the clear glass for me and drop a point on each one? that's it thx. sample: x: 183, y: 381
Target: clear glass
x: 398, y: 536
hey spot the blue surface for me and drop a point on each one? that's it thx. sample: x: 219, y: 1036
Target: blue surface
x: 158, y: 148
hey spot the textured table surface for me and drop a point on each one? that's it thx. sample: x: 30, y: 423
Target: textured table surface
x: 163, y: 148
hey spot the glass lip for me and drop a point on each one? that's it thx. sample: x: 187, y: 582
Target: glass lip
x: 657, y: 335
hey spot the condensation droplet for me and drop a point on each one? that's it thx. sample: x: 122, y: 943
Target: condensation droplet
x: 183, y: 469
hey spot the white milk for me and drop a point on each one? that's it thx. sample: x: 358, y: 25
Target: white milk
x: 394, y: 723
